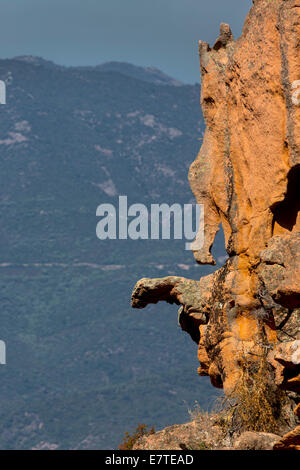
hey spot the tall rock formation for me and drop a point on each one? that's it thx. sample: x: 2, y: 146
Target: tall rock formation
x: 245, y: 317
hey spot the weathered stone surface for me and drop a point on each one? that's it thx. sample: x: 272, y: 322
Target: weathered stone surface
x: 195, y: 309
x: 247, y: 175
x: 280, y: 269
x: 203, y: 434
x: 290, y: 441
x: 247, y: 170
x: 256, y: 441
x: 198, y: 434
x: 286, y: 361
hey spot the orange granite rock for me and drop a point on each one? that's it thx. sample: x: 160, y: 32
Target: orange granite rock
x: 247, y: 176
x: 290, y: 441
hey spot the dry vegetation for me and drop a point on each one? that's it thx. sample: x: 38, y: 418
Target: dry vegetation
x: 129, y: 440
x: 255, y: 403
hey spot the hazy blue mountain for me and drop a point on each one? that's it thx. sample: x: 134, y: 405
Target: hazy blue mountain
x: 147, y: 74
x: 82, y: 367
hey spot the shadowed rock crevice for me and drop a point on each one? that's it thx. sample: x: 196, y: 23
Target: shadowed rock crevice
x: 286, y: 212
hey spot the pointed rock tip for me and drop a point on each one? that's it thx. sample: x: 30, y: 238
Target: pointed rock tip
x: 224, y: 38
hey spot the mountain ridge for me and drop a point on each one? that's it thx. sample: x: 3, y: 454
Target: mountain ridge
x: 149, y: 74
x: 80, y: 370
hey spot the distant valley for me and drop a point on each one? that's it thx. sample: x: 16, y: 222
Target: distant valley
x: 82, y: 367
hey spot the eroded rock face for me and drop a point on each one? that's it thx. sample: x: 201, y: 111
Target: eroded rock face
x: 290, y: 441
x: 247, y: 175
x: 256, y: 441
x: 279, y: 269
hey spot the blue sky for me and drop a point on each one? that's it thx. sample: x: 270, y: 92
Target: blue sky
x: 160, y: 33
